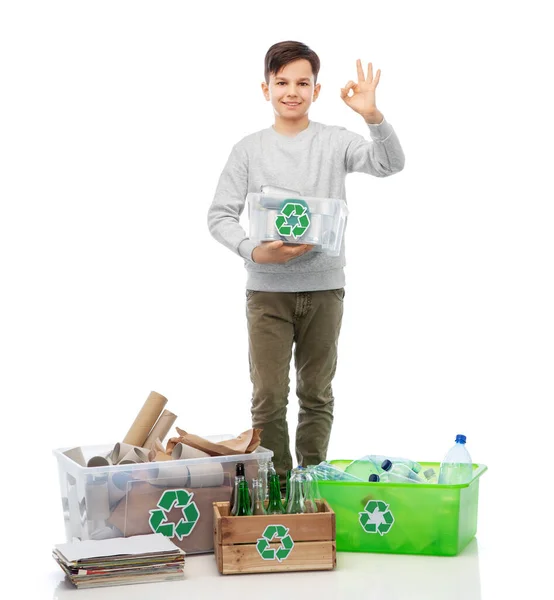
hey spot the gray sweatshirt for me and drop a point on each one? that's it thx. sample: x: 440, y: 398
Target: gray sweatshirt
x: 315, y: 163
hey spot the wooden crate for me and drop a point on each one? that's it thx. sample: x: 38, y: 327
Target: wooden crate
x: 274, y: 543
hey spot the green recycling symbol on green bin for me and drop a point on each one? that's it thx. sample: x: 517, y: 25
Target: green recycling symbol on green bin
x: 376, y: 517
x: 294, y: 218
x: 169, y: 499
x: 275, y: 533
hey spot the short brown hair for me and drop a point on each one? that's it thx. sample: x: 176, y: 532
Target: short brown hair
x: 283, y: 53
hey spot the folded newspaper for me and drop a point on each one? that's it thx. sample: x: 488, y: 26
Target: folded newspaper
x: 121, y: 561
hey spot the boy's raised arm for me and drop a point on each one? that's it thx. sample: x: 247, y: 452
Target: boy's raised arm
x: 383, y: 155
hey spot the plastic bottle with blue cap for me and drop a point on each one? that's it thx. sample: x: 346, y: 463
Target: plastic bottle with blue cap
x: 400, y: 469
x: 372, y: 463
x: 457, y: 466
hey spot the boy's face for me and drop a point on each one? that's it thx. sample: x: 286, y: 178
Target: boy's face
x: 292, y: 90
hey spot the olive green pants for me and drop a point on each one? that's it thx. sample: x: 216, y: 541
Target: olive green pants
x: 310, y: 323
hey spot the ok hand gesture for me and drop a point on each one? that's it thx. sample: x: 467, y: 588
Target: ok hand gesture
x: 363, y: 97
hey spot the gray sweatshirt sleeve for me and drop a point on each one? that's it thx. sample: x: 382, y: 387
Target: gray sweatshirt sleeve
x: 228, y: 204
x: 382, y: 156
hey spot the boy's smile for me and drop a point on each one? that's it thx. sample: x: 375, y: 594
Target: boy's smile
x: 291, y: 92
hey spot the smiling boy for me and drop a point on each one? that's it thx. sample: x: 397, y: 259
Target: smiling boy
x: 294, y: 296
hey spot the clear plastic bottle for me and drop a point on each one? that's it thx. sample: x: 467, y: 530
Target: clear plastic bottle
x: 414, y: 466
x: 430, y: 475
x: 457, y: 466
x: 371, y: 463
x: 272, y: 189
x: 388, y: 476
x: 400, y: 469
x: 327, y: 472
x: 363, y: 467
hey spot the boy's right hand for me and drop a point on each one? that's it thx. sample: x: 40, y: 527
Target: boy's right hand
x: 277, y: 252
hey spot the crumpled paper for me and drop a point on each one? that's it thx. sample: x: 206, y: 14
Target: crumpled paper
x: 158, y: 453
x: 245, y: 443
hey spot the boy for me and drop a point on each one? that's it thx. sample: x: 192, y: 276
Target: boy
x: 294, y: 297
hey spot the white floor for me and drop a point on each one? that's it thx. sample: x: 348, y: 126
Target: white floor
x: 481, y: 571
x: 356, y: 576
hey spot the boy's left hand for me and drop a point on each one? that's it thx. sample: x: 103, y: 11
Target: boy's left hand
x: 363, y: 98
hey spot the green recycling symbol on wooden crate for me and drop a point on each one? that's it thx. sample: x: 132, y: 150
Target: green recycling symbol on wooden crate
x: 275, y: 533
x: 294, y: 218
x: 170, y: 499
x: 376, y: 517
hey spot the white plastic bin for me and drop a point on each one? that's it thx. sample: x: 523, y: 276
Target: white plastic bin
x: 298, y: 220
x: 171, y: 497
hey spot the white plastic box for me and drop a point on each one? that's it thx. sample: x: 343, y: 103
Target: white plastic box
x: 297, y: 219
x: 170, y: 497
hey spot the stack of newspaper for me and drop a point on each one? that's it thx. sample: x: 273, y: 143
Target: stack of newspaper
x: 120, y: 561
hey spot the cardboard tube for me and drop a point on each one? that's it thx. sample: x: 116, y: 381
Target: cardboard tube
x: 98, y: 503
x: 207, y: 475
x: 145, y: 420
x: 119, y: 451
x: 183, y: 451
x: 117, y: 486
x: 160, y: 429
x: 76, y: 455
x: 74, y: 512
x: 99, y: 461
x: 136, y: 455
x: 171, y: 475
x: 146, y: 472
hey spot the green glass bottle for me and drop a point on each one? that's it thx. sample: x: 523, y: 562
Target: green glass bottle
x: 239, y: 476
x: 287, y: 495
x: 244, y: 506
x: 274, y: 506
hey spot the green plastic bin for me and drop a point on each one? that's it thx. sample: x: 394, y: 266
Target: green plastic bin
x: 404, y: 518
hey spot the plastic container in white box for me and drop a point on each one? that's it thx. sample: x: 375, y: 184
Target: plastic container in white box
x: 297, y: 219
x: 170, y: 497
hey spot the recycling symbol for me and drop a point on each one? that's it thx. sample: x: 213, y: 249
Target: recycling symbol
x: 169, y: 499
x: 376, y: 517
x: 275, y: 532
x: 294, y: 218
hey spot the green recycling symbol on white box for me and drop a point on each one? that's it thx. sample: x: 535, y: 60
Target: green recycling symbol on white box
x: 275, y: 533
x: 293, y: 219
x: 182, y: 499
x: 376, y: 517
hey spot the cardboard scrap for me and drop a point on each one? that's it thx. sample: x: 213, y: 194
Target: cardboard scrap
x: 245, y: 443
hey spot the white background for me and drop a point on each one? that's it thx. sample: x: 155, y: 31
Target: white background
x: 116, y: 121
